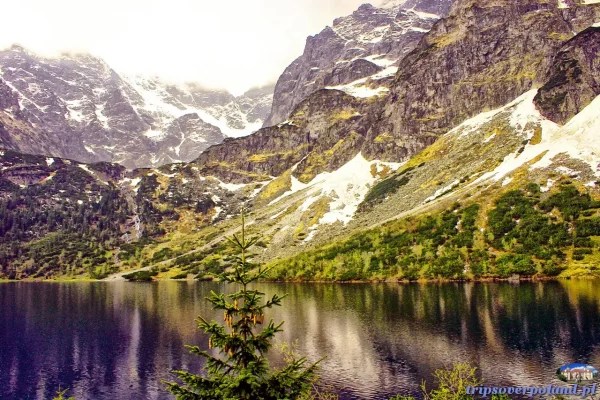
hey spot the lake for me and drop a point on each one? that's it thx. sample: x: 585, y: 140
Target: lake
x: 119, y: 340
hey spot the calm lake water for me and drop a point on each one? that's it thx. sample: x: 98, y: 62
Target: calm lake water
x: 120, y: 340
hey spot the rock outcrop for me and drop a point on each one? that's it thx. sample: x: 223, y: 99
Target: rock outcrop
x: 573, y: 79
x: 482, y: 56
x: 357, y: 46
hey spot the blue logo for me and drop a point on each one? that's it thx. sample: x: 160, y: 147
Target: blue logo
x: 577, y: 372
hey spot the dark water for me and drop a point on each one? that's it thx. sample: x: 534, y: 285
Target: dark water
x: 120, y: 340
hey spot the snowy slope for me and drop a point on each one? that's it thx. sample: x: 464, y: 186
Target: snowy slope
x: 577, y: 139
x: 343, y: 190
x: 234, y: 116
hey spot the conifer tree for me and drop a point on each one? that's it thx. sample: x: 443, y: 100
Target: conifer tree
x: 240, y: 370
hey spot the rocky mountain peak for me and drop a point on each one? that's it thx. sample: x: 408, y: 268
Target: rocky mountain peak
x: 366, y: 44
x: 366, y: 7
x: 483, y: 55
x: 86, y: 111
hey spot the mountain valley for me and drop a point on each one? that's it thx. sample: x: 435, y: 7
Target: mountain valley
x: 435, y: 152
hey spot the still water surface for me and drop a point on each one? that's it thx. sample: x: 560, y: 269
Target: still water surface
x: 120, y: 340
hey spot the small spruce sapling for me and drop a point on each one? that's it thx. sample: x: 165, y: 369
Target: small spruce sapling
x: 241, y: 370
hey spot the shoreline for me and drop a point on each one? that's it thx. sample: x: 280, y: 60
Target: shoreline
x: 374, y: 281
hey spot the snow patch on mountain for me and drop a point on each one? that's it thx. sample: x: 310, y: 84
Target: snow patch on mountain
x: 442, y: 191
x: 423, y: 14
x: 155, y: 134
x: 296, y: 186
x: 361, y: 91
x: 569, y: 3
x: 577, y: 139
x: 562, y: 4
x: 103, y: 119
x: 380, y: 60
x: 132, y: 183
x: 74, y: 110
x: 359, y: 87
x: 232, y: 187
x: 345, y: 188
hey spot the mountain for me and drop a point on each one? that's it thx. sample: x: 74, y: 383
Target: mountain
x: 461, y: 68
x: 357, y: 54
x: 439, y: 7
x: 60, y: 216
x: 507, y: 192
x: 76, y: 106
x: 480, y: 161
x: 485, y: 55
x: 234, y: 116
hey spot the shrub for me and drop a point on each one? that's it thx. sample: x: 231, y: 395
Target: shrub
x: 385, y: 187
x: 511, y: 264
x: 141, y: 276
x: 588, y: 227
x: 451, y: 384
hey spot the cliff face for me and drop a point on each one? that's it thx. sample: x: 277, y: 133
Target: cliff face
x: 365, y: 43
x: 326, y: 119
x: 573, y: 79
x: 483, y: 55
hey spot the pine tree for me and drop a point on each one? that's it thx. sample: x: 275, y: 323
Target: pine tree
x: 241, y: 371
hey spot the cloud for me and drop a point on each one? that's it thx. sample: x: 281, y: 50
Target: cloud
x: 235, y: 44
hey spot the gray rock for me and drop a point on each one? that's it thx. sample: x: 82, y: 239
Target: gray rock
x: 573, y: 80
x: 484, y: 55
x: 339, y: 54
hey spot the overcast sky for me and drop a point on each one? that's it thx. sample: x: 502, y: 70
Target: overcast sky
x: 231, y: 44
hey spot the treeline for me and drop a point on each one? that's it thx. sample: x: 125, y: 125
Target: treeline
x: 42, y: 236
x: 525, y: 233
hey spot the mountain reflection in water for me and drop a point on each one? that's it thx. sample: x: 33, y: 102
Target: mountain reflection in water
x: 120, y: 340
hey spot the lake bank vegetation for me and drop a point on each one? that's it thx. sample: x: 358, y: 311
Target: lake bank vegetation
x: 524, y: 235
